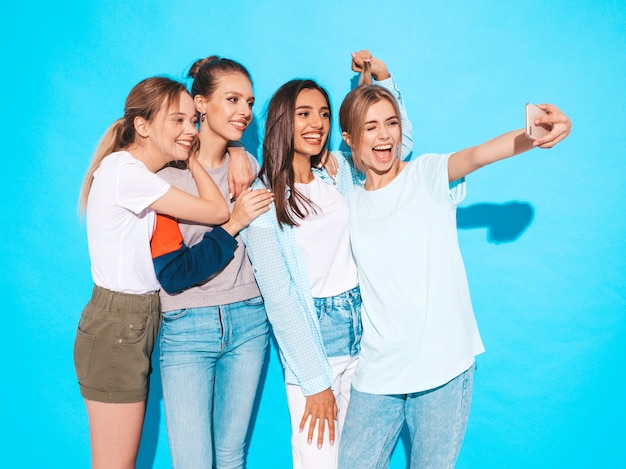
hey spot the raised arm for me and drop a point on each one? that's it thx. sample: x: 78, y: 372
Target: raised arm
x: 466, y: 161
x: 383, y: 78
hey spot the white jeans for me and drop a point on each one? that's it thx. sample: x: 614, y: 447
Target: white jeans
x: 309, y: 456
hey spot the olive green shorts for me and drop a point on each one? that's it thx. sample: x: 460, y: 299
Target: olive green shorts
x: 113, y: 345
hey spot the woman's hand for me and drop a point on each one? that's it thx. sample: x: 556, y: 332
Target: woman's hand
x: 240, y: 174
x: 249, y: 205
x: 379, y: 69
x: 328, y: 161
x: 320, y: 407
x: 561, y: 126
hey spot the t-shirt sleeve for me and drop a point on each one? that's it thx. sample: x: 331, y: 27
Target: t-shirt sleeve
x: 137, y: 188
x: 433, y: 169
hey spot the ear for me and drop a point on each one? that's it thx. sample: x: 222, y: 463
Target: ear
x: 142, y: 127
x: 200, y: 103
x: 346, y: 138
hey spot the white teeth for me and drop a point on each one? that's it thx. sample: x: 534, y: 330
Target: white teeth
x: 241, y: 125
x: 382, y: 147
x: 184, y: 143
x: 312, y: 135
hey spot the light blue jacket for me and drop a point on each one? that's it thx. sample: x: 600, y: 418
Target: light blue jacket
x: 283, y: 280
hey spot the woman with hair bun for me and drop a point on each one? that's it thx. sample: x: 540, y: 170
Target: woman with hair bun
x: 120, y: 197
x: 214, y: 334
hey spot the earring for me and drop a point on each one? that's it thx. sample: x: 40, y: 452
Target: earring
x: 202, y: 116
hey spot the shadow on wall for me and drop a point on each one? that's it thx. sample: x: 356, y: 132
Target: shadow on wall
x: 504, y: 222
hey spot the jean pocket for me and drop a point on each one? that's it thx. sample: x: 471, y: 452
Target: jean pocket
x: 174, y: 314
x: 83, y: 351
x: 256, y: 301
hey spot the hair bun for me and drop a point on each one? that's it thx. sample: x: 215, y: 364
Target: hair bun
x: 197, y: 65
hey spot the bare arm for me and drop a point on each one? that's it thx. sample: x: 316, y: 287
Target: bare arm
x: 509, y: 144
x: 210, y: 208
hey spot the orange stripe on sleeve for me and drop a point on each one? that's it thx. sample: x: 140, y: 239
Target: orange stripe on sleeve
x: 166, y: 237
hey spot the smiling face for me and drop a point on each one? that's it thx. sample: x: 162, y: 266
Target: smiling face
x: 380, y: 140
x: 173, y: 129
x: 311, y: 123
x: 228, y: 110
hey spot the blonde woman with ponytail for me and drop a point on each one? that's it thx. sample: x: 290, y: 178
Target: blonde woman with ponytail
x: 120, y: 197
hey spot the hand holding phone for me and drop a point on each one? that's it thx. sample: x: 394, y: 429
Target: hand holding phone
x: 536, y: 131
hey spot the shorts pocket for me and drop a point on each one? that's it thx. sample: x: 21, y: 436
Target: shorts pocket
x: 133, y: 328
x: 83, y: 351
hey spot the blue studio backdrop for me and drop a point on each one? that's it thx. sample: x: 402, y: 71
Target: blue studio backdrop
x: 543, y: 235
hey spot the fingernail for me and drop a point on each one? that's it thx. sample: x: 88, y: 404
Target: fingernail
x: 353, y: 54
x: 319, y: 446
x: 309, y: 441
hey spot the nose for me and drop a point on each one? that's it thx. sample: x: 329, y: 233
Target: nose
x: 383, y: 133
x: 191, y: 129
x: 316, y: 121
x: 245, y: 110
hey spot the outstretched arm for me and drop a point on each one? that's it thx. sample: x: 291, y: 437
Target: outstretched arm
x: 466, y: 161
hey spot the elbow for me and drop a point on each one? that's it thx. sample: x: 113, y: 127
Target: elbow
x: 223, y: 216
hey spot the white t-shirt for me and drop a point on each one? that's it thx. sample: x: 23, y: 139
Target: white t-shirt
x: 120, y: 223
x: 419, y: 330
x: 324, y: 239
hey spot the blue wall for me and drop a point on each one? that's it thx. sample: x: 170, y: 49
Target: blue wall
x: 543, y: 235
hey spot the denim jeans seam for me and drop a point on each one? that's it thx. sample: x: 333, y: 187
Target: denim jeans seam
x: 389, y: 438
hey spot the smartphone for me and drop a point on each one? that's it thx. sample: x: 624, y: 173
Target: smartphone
x: 535, y: 131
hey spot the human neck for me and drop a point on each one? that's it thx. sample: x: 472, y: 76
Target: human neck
x: 302, y: 169
x: 377, y: 180
x: 212, y: 152
x: 139, y: 152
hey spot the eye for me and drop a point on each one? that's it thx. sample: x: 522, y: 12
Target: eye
x: 250, y: 104
x: 303, y: 114
x: 325, y: 115
x: 233, y: 99
x: 393, y: 122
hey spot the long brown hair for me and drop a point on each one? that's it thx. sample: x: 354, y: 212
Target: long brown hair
x: 144, y: 100
x: 278, y: 151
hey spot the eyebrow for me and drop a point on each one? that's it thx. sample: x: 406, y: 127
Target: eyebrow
x: 324, y: 108
x: 375, y: 120
x: 237, y: 93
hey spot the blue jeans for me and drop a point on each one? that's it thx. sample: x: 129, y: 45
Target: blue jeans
x: 436, y: 420
x: 211, y: 361
x: 340, y: 323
